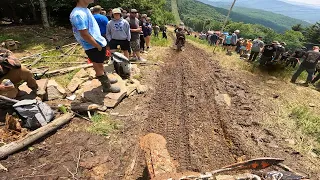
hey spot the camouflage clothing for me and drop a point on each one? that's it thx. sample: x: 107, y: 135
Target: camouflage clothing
x: 7, y: 62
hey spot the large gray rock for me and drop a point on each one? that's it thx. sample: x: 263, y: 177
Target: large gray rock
x: 92, y: 92
x: 55, y: 91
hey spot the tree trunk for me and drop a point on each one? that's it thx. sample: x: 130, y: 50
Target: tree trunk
x: 33, y: 136
x: 44, y: 15
x: 34, y: 12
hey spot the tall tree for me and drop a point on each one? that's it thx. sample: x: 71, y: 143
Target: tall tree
x: 44, y: 14
x: 297, y: 27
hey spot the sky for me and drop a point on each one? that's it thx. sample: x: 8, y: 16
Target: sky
x: 313, y: 2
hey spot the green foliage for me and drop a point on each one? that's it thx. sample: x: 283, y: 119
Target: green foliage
x: 307, y: 121
x: 102, y: 125
x: 297, y: 27
x: 312, y: 33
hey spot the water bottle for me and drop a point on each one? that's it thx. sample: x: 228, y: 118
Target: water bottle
x: 7, y: 82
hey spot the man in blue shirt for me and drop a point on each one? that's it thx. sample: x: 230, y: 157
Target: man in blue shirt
x: 101, y: 20
x: 87, y: 32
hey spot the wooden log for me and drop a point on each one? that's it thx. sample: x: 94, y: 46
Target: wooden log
x: 66, y: 70
x: 35, y: 61
x: 157, y: 156
x: 33, y: 136
x: 84, y: 107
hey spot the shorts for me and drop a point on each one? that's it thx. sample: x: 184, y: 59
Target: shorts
x: 96, y: 56
x: 227, y: 44
x: 146, y: 34
x: 124, y: 44
x: 233, y: 45
x: 135, y: 45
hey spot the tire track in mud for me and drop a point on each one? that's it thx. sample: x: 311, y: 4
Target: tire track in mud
x: 183, y: 110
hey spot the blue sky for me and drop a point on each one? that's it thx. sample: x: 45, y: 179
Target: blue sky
x: 313, y: 2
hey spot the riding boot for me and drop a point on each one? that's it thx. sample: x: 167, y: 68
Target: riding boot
x: 106, y: 85
x: 112, y: 80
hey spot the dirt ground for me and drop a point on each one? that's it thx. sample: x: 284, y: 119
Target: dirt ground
x: 183, y: 105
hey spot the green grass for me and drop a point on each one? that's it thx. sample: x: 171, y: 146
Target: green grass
x: 309, y: 123
x: 159, y: 41
x: 65, y: 79
x: 103, y: 125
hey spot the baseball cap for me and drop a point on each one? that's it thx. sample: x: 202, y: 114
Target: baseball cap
x: 116, y: 11
x: 97, y: 8
x: 91, y: 9
x: 133, y: 11
x: 237, y: 31
x: 144, y: 15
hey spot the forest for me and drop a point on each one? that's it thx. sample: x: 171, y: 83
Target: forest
x: 29, y: 11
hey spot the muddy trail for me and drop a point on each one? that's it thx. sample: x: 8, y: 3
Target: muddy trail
x: 187, y: 104
x: 203, y: 132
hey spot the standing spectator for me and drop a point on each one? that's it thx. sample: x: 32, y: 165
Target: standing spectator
x: 249, y: 46
x: 257, y: 46
x: 156, y: 30
x: 213, y: 39
x: 228, y: 43
x: 118, y: 33
x: 309, y: 65
x: 101, y: 20
x: 280, y: 50
x: 135, y: 34
x: 124, y: 14
x: 86, y: 31
x: 164, y: 32
x: 296, y: 57
x: 269, y: 51
x: 109, y: 14
x: 147, y: 31
x: 234, y: 40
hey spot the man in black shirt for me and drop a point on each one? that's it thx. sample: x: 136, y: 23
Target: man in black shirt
x: 309, y: 65
x: 296, y: 57
x: 268, y: 53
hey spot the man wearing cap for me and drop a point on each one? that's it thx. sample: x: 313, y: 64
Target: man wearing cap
x: 309, y: 65
x: 296, y: 57
x: 118, y: 33
x: 135, y: 34
x: 257, y: 46
x: 101, y: 20
x: 87, y: 32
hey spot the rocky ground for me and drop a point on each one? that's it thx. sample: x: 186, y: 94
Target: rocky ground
x: 210, y: 118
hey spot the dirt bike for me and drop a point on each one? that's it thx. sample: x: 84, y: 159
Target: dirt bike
x: 180, y: 43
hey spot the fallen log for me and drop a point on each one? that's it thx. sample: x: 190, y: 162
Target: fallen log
x: 69, y: 69
x: 33, y: 136
x: 35, y: 61
x: 84, y: 107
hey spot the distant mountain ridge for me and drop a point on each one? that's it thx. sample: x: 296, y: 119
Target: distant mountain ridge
x: 302, y: 12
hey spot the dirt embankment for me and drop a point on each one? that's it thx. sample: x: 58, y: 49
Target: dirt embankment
x: 187, y: 106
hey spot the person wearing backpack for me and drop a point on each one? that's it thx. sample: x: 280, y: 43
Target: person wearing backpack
x: 257, y: 46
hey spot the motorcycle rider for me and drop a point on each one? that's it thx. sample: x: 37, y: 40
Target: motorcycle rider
x: 181, y: 32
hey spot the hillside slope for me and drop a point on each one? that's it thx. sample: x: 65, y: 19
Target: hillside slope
x: 278, y: 22
x: 302, y: 12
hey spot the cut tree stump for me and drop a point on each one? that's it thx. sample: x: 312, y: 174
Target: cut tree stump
x: 157, y: 156
x: 33, y: 136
